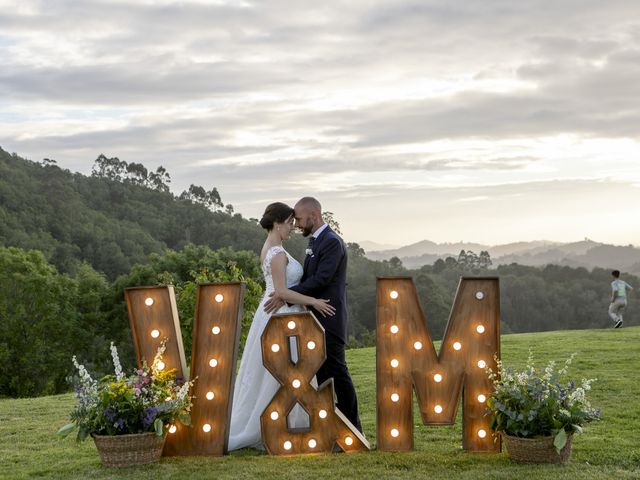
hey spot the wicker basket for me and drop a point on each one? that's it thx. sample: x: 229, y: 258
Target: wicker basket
x: 537, y: 450
x: 128, y: 450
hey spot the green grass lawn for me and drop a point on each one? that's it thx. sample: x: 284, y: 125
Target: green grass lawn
x: 608, y: 449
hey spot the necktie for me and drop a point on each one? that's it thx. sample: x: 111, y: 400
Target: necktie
x: 311, y: 240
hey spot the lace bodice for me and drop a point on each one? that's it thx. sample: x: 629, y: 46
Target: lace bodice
x: 293, y: 273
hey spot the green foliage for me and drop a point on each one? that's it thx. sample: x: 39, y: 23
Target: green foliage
x: 111, y: 220
x: 185, y: 269
x: 186, y: 298
x: 40, y: 321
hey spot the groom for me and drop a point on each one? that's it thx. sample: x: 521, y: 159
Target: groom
x: 325, y: 276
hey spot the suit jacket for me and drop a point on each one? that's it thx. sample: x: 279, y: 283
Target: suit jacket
x: 325, y: 276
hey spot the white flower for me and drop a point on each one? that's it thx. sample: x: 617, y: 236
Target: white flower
x: 308, y: 251
x: 88, y: 386
x: 116, y: 362
x: 182, y: 393
x: 566, y: 364
x: 158, y: 357
x: 548, y: 371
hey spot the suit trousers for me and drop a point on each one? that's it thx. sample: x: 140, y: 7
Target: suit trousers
x: 335, y: 366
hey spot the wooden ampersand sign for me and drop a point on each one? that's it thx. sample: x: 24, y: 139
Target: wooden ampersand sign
x: 293, y: 349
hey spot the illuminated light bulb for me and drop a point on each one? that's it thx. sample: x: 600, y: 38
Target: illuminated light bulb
x: 437, y: 377
x: 287, y: 445
x: 482, y: 398
x: 160, y: 365
x: 395, y: 363
x: 417, y: 345
x: 479, y: 295
x: 393, y: 294
x: 213, y: 362
x: 155, y: 333
x: 312, y: 443
x: 291, y: 325
x: 394, y: 329
x: 348, y: 440
x: 148, y: 301
x: 457, y: 346
x: 394, y: 432
x: 275, y: 348
x: 482, y: 364
x: 322, y: 414
x: 311, y: 345
x: 296, y: 383
x: 173, y: 429
x: 482, y: 433
x: 210, y: 395
x: 480, y: 329
x: 437, y: 409
x: 206, y: 428
x: 395, y: 397
x: 219, y: 298
x: 215, y: 330
x: 275, y: 415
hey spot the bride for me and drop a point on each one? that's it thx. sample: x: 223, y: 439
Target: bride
x: 255, y: 386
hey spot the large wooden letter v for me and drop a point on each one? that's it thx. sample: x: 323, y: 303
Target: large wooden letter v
x: 216, y: 332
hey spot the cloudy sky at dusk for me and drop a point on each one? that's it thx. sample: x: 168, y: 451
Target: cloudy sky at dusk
x: 487, y: 121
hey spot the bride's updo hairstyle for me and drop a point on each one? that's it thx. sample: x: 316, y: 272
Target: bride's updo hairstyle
x: 277, y: 212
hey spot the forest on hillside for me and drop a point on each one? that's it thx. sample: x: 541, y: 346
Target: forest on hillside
x: 70, y: 244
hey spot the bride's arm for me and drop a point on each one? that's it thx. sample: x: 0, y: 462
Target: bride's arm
x: 278, y: 269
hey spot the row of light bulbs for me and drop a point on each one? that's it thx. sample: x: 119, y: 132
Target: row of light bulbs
x: 436, y: 377
x: 312, y: 443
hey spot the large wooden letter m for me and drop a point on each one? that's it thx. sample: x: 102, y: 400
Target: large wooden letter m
x: 407, y: 360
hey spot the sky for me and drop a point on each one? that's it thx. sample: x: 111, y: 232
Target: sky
x: 487, y: 121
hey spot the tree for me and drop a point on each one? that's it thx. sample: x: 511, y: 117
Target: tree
x: 355, y: 251
x: 38, y: 324
x: 211, y: 199
x: 137, y: 174
x: 111, y: 168
x: 160, y: 180
x: 485, y: 259
x: 332, y: 222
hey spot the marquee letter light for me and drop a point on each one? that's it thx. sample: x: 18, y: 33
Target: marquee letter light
x: 153, y: 316
x: 294, y: 367
x: 406, y: 359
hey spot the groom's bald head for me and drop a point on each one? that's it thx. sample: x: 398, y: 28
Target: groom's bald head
x: 308, y: 213
x: 310, y: 204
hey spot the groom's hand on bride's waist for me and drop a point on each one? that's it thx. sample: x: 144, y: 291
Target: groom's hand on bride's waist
x: 273, y: 304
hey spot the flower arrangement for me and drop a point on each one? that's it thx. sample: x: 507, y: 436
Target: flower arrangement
x: 148, y: 400
x: 534, y: 403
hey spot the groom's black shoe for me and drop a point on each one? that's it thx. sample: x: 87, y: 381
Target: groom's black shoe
x: 618, y: 324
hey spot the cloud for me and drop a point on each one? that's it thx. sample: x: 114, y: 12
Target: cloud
x: 358, y: 100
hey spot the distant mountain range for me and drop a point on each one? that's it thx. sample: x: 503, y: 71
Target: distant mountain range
x: 586, y: 253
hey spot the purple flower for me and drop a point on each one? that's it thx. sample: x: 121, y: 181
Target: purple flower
x: 110, y: 414
x: 149, y: 415
x: 139, y: 371
x: 119, y: 424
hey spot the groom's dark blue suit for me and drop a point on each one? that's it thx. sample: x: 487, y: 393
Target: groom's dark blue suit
x: 325, y: 276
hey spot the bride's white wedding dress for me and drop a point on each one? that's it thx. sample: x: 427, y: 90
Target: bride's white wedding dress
x: 255, y: 386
